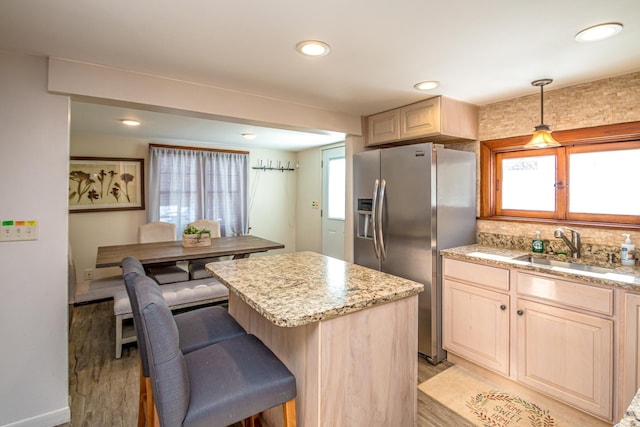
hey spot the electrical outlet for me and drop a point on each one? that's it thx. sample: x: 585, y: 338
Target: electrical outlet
x: 88, y: 274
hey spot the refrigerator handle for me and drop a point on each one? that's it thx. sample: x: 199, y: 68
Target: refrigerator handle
x: 376, y: 249
x: 383, y: 250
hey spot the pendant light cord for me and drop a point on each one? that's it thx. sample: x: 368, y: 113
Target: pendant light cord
x: 541, y: 104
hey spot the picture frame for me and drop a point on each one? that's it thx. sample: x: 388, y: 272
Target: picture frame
x: 98, y: 184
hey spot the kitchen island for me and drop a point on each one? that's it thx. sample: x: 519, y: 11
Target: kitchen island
x: 348, y: 333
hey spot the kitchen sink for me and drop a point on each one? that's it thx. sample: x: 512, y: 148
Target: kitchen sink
x: 563, y: 264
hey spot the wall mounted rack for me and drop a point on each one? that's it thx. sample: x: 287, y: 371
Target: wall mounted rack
x: 280, y: 167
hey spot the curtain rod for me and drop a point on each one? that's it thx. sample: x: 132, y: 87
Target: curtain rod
x: 215, y: 150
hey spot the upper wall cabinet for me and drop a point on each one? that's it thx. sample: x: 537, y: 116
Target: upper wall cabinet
x: 436, y: 119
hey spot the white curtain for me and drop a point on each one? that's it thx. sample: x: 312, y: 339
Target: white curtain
x: 186, y: 185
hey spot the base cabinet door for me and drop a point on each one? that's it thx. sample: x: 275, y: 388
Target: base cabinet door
x: 631, y: 349
x: 476, y: 324
x: 567, y: 355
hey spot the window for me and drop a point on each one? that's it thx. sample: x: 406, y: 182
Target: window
x: 337, y: 184
x: 591, y: 178
x: 190, y: 184
x: 526, y: 181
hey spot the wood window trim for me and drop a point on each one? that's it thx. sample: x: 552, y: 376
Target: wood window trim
x: 622, y: 132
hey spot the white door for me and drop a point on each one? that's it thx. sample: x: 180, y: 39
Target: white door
x: 333, y: 201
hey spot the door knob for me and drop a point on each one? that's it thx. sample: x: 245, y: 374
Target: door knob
x: 520, y: 312
x: 503, y: 307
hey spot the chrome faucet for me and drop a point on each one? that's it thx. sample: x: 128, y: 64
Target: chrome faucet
x: 574, y: 243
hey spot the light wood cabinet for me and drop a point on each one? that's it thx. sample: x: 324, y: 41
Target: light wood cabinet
x: 475, y: 313
x: 630, y: 377
x: 436, y: 119
x: 553, y: 335
x: 420, y: 119
x: 476, y: 324
x: 567, y: 355
x: 383, y: 127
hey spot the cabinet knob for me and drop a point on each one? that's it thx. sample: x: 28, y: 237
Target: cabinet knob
x: 503, y: 307
x: 520, y: 312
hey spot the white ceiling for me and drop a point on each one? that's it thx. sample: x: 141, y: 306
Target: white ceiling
x: 481, y: 52
x: 99, y: 119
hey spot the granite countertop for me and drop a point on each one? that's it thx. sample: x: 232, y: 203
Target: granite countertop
x: 298, y: 288
x: 632, y: 416
x: 617, y: 275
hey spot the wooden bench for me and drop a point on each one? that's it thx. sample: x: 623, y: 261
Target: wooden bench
x: 179, y: 295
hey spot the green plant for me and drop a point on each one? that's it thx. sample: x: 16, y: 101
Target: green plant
x: 190, y: 229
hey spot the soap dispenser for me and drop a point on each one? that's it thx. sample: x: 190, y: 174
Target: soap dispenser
x: 628, y: 251
x: 537, y: 245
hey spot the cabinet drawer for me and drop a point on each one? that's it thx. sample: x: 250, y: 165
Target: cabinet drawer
x: 572, y: 294
x: 485, y: 275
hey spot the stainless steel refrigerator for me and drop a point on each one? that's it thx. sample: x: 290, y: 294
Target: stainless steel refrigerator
x: 410, y: 202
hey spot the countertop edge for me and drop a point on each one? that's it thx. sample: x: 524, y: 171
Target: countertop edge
x: 506, y: 258
x: 323, y: 315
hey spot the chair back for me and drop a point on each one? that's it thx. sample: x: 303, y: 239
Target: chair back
x: 168, y: 369
x: 156, y: 232
x: 207, y: 224
x: 131, y: 265
x: 131, y: 270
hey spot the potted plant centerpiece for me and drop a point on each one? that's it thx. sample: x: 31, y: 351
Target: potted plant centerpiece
x: 193, y: 236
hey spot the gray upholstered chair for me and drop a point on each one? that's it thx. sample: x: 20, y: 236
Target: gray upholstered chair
x: 158, y: 231
x: 197, y: 268
x: 197, y: 328
x: 216, y: 385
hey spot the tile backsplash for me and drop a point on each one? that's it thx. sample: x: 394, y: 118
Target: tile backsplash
x: 596, y: 243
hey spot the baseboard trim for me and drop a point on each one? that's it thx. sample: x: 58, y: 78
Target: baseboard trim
x: 53, y: 418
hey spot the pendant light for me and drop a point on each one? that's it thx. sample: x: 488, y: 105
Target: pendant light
x: 542, y: 136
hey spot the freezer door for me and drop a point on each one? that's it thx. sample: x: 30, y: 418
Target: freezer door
x: 406, y: 211
x: 366, y: 171
x: 409, y: 230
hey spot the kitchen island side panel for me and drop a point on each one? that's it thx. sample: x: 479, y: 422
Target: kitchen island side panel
x: 357, y: 369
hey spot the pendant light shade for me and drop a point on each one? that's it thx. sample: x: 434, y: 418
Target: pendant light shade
x: 542, y: 136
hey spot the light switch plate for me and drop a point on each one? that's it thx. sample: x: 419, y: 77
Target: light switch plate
x: 16, y: 230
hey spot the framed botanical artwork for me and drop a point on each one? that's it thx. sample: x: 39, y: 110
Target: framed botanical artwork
x: 105, y: 184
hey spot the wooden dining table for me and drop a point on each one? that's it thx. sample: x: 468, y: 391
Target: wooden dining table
x: 162, y: 252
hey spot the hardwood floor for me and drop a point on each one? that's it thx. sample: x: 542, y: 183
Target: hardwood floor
x: 104, y: 390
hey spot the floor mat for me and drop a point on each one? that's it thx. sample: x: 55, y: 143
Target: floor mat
x: 481, y: 403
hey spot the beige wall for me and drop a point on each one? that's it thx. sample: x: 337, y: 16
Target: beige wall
x: 309, y: 236
x: 34, y: 165
x: 272, y: 201
x: 309, y: 221
x: 602, y: 102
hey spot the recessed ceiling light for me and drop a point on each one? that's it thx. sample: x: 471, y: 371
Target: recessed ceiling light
x: 599, y: 32
x: 130, y: 122
x: 249, y: 135
x: 427, y: 85
x: 313, y: 48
